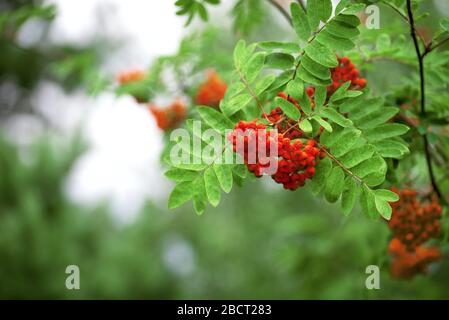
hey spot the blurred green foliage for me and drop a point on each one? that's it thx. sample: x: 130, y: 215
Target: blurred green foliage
x: 261, y: 242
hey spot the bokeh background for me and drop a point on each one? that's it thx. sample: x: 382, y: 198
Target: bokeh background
x: 81, y: 181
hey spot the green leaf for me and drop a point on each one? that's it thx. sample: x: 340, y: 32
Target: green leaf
x: 385, y: 131
x: 321, y: 55
x: 190, y: 166
x: 199, y: 196
x: 240, y: 170
x: 333, y: 42
x: 383, y: 207
x: 391, y: 148
x: 349, y: 105
x: 341, y: 6
x: 180, y: 175
x: 386, y: 195
x: 357, y: 155
x: 295, y: 88
x: 313, y: 13
x: 305, y: 104
x: 320, y: 97
x: 353, y: 8
x: 342, y: 30
x: 224, y: 175
x: 348, y: 19
x: 323, y: 123
x: 234, y: 89
x: 318, y: 10
x: 336, y: 117
x: 215, y: 119
x: 202, y: 11
x: 254, y: 66
x: 239, y: 53
x: 305, y: 126
x: 368, y: 204
x: 314, y: 68
x: 334, y: 184
x: 182, y: 193
x: 281, y: 80
x: 289, y: 47
x: 377, y: 117
x: 279, y: 60
x: 342, y: 92
x: 328, y: 139
x: 307, y: 77
x: 289, y: 108
x: 362, y: 107
x: 236, y: 103
x: 199, y: 204
x: 212, y: 186
x: 262, y: 85
x: 345, y: 141
x: 349, y: 195
x: 373, y: 165
x: 300, y: 21
x: 322, y: 171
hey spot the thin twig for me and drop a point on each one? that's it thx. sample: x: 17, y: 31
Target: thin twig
x: 302, y: 5
x: 253, y: 94
x: 282, y: 11
x: 431, y: 48
x: 406, y: 20
x: 423, y: 101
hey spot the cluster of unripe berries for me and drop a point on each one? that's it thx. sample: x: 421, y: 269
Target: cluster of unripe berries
x: 346, y: 71
x: 212, y: 91
x: 296, y: 159
x: 413, y: 223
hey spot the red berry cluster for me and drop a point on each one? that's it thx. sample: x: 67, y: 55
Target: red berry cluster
x: 169, y: 117
x: 286, y: 126
x: 248, y: 138
x: 412, y: 224
x: 412, y: 221
x: 295, y: 161
x: 407, y: 264
x: 346, y: 71
x: 211, y: 92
